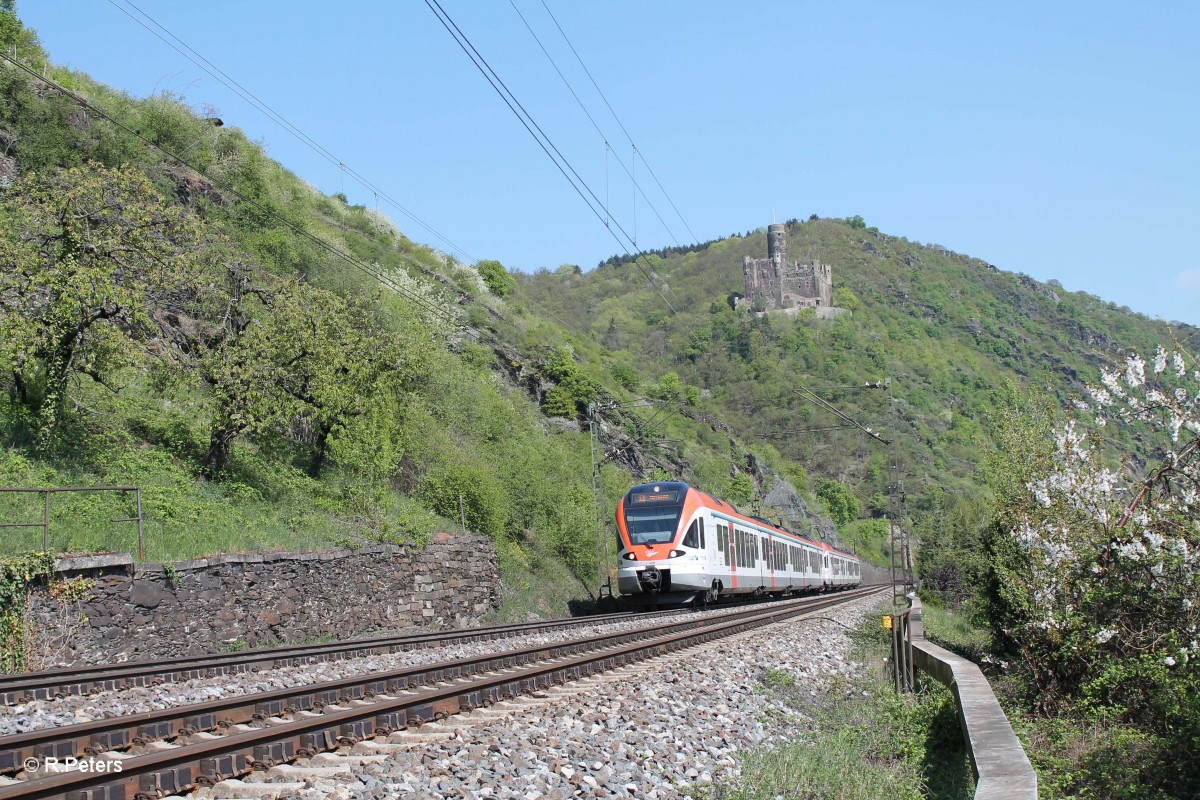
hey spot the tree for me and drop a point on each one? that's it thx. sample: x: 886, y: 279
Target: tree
x: 841, y: 503
x: 857, y: 222
x: 612, y: 340
x: 574, y: 387
x: 496, y: 277
x: 1094, y: 570
x: 292, y: 353
x: 84, y: 254
x: 741, y: 491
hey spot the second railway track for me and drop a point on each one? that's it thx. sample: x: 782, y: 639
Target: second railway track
x: 50, y: 684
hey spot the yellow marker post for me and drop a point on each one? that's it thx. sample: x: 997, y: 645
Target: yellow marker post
x: 887, y: 622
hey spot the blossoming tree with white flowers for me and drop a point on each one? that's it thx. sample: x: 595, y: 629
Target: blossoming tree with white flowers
x: 1095, y: 580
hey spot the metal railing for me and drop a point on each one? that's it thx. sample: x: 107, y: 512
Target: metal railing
x: 45, y: 523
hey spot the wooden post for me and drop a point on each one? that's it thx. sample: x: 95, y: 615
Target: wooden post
x: 141, y: 549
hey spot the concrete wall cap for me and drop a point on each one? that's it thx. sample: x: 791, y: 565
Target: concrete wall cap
x: 99, y: 561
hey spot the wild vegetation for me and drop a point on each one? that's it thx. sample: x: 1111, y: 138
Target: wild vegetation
x: 277, y: 368
x: 860, y: 740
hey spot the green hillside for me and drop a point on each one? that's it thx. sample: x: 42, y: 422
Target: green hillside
x: 276, y: 368
x: 955, y: 334
x: 303, y: 353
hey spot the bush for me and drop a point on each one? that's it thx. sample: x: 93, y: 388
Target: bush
x: 484, y: 502
x: 839, y: 501
x: 496, y: 278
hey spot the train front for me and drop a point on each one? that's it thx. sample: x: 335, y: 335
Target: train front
x: 651, y: 557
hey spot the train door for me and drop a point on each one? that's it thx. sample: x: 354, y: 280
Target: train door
x: 710, y: 554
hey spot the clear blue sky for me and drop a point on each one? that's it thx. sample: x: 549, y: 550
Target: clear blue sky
x: 1055, y: 139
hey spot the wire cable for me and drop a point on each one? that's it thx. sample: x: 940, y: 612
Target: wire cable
x: 234, y: 86
x: 567, y: 39
x: 297, y: 229
x: 544, y: 142
x: 571, y: 89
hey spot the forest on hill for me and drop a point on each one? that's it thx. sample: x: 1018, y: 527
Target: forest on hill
x: 957, y: 337
x: 279, y: 368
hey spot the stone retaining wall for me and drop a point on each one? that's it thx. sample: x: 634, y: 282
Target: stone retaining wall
x: 136, y: 611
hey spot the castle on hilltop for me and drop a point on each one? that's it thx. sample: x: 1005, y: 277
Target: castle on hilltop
x: 779, y: 283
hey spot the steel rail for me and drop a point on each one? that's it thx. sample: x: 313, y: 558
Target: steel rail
x: 187, y: 765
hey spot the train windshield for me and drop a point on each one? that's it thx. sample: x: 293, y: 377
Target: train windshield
x: 652, y: 525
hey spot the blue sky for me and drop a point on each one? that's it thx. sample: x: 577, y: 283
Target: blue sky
x: 1054, y: 139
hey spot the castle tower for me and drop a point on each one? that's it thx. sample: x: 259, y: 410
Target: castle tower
x: 777, y: 245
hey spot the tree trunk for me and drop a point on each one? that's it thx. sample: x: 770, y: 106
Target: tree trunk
x: 220, y: 450
x: 320, y: 449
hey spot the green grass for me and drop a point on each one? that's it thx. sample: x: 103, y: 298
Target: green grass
x: 955, y: 632
x: 535, y: 585
x: 861, y: 741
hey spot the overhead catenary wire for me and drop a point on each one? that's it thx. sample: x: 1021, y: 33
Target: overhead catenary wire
x: 571, y: 89
x: 547, y: 146
x: 180, y: 46
x: 612, y: 111
x: 225, y: 186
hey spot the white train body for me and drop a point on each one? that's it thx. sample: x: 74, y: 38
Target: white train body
x: 680, y: 543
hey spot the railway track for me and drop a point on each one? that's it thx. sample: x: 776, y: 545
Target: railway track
x: 174, y: 750
x: 51, y: 684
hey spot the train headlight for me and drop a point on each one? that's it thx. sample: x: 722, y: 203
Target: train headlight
x: 676, y: 553
x: 630, y: 556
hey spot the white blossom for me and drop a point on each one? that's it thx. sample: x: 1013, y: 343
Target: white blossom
x: 1135, y: 371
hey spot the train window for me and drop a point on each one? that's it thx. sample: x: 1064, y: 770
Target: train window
x: 700, y: 527
x: 692, y: 537
x: 652, y: 525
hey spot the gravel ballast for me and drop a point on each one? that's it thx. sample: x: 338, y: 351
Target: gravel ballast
x: 649, y: 731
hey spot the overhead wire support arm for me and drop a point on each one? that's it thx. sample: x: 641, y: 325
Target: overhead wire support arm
x: 826, y: 405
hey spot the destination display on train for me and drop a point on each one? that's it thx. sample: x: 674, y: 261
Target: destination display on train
x: 653, y: 497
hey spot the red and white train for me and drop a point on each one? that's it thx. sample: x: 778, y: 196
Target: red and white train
x: 680, y: 544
